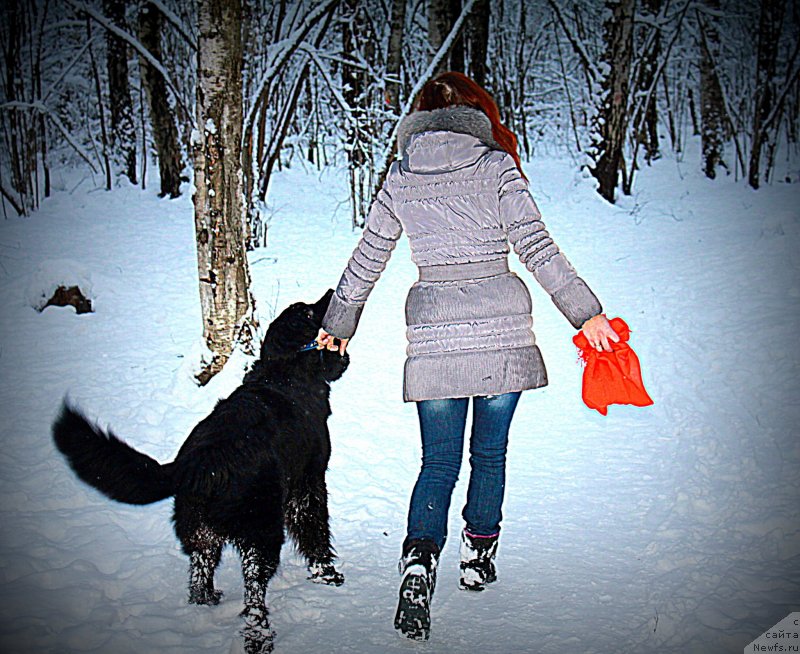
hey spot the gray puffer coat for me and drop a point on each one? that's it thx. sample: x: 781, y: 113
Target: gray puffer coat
x: 460, y: 199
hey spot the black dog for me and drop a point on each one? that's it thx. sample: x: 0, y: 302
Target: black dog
x: 254, y: 465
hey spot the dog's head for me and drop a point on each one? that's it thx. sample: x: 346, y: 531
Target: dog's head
x: 296, y: 327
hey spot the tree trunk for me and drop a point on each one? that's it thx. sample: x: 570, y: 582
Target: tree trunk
x: 693, y: 112
x: 438, y: 28
x: 455, y: 58
x: 442, y: 15
x: 647, y: 119
x: 162, y: 118
x: 273, y: 112
x: 712, y: 109
x: 612, y: 120
x: 15, y: 122
x: 41, y: 126
x: 394, y: 54
x: 476, y: 40
x: 222, y: 264
x: 123, y: 132
x: 673, y: 130
x: 101, y: 112
x: 359, y: 155
x: 769, y: 31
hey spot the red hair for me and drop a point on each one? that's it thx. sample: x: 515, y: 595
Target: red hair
x: 456, y: 89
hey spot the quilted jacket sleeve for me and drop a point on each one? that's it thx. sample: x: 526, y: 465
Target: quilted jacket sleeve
x: 531, y: 241
x: 365, y: 266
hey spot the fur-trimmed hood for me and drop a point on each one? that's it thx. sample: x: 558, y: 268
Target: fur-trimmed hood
x: 459, y: 119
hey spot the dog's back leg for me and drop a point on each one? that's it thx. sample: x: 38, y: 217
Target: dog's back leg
x: 203, y: 561
x: 307, y: 521
x: 203, y: 546
x: 259, y: 563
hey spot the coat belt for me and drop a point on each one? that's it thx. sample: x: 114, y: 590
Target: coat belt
x: 461, y: 271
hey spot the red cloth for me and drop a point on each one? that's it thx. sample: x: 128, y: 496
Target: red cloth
x: 611, y: 377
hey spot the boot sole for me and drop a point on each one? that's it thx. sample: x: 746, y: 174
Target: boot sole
x: 475, y: 585
x: 413, y: 617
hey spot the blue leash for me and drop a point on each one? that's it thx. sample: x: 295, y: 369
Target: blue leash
x: 310, y: 346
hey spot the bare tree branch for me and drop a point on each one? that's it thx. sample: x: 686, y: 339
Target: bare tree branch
x: 8, y: 195
x: 337, y: 95
x: 42, y: 108
x: 54, y: 86
x: 580, y: 50
x: 183, y: 29
x: 155, y: 63
x: 284, y: 49
x: 387, y: 153
x: 791, y: 78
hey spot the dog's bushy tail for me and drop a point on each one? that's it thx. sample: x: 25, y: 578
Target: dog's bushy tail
x: 108, y: 464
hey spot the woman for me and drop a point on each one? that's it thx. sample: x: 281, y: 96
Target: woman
x: 460, y: 195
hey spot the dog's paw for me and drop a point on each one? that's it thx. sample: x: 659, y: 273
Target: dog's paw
x: 325, y: 573
x: 258, y: 636
x: 258, y: 641
x: 334, y: 364
x: 203, y: 596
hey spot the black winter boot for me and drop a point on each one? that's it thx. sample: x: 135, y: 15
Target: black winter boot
x: 418, y: 567
x: 477, y: 561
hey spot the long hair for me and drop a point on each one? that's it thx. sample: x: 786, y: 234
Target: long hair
x: 454, y: 89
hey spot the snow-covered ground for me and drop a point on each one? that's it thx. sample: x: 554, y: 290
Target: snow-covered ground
x: 672, y: 528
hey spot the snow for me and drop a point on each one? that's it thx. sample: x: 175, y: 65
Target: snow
x: 672, y: 528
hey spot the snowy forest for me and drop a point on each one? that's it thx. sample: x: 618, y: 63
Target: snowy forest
x: 117, y: 86
x: 149, y: 148
x: 113, y: 85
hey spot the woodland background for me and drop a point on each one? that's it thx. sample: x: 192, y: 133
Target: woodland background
x: 219, y: 94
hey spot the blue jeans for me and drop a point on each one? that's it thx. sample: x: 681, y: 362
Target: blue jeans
x: 442, y: 423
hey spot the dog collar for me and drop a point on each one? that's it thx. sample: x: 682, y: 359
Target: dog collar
x: 310, y: 346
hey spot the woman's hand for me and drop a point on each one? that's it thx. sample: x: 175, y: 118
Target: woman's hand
x: 327, y: 341
x: 598, y: 332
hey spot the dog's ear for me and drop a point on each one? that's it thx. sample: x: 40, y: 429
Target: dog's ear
x: 321, y: 305
x: 273, y: 346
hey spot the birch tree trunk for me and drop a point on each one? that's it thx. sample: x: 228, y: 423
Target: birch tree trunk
x: 221, y: 259
x: 162, y: 118
x: 769, y: 31
x: 612, y: 119
x: 123, y: 132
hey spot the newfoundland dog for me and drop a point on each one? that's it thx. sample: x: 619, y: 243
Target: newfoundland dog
x: 255, y: 465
